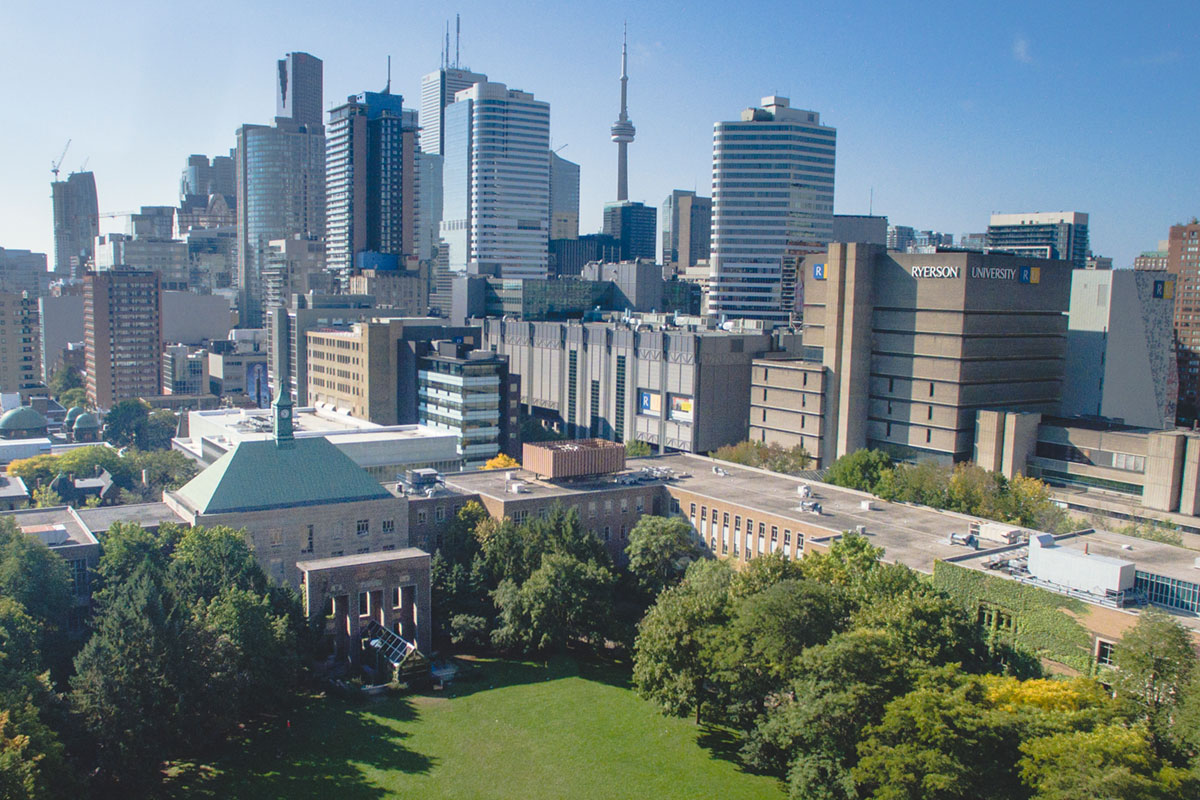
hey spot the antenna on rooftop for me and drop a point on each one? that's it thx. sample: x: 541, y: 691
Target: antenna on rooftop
x: 457, y: 37
x: 871, y: 205
x: 446, y: 48
x: 388, y: 90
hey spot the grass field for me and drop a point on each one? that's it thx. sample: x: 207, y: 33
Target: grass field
x: 511, y: 730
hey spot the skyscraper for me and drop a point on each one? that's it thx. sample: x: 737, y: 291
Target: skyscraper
x: 370, y: 181
x: 76, y: 223
x: 496, y: 182
x: 633, y: 225
x: 623, y: 131
x: 299, y: 90
x: 204, y: 177
x: 280, y: 178
x: 564, y: 198
x: 122, y: 331
x: 437, y: 92
x: 773, y: 177
x: 686, y: 229
x: 1055, y: 234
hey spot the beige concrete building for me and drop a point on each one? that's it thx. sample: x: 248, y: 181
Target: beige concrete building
x: 901, y: 350
x: 122, y: 331
x: 369, y: 368
x: 403, y: 291
x: 20, y: 346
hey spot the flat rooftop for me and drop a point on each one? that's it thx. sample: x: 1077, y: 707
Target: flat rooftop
x: 360, y: 558
x: 911, y: 535
x: 31, y: 520
x: 255, y: 423
x: 148, y: 515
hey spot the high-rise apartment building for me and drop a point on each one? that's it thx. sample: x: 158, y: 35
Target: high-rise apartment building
x: 1054, y: 234
x: 287, y: 351
x: 1155, y: 260
x: 686, y: 229
x: 122, y: 330
x: 429, y: 204
x: 773, y: 179
x: 280, y: 178
x: 370, y: 180
x: 20, y: 342
x: 437, y: 92
x: 634, y: 226
x: 294, y: 266
x: 167, y: 257
x: 23, y: 271
x: 496, y: 182
x: 564, y: 198
x: 76, y: 223
x: 1183, y: 261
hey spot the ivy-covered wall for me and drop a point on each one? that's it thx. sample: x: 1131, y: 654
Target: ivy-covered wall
x: 1044, y: 623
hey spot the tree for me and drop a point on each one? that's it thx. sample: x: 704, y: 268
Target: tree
x: 33, y: 576
x: 125, y: 686
x: 31, y: 759
x: 264, y: 663
x: 847, y: 563
x: 158, y: 430
x: 74, y: 397
x: 565, y: 600
x: 773, y: 456
x: 125, y: 423
x: 776, y: 625
x: 679, y: 639
x: 1111, y: 761
x: 939, y: 742
x: 764, y: 572
x: 45, y: 497
x: 660, y: 549
x: 64, y: 379
x: 209, y: 561
x: 1155, y: 663
x: 501, y: 461
x: 636, y: 448
x: 860, y: 470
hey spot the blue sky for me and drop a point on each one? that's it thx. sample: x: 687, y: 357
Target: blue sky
x: 948, y: 111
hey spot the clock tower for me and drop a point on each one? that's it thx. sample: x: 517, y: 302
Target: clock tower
x: 283, y: 419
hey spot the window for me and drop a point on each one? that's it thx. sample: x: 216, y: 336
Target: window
x: 1104, y: 652
x: 928, y: 436
x: 308, y: 540
x: 787, y: 538
x: 691, y: 514
x: 607, y: 532
x: 931, y: 388
x: 641, y: 505
x: 439, y: 513
x: 737, y: 523
x: 625, y: 506
x: 774, y: 534
x: 364, y: 604
x: 622, y: 533
x: 725, y: 519
x: 592, y: 510
x: 276, y: 536
x: 608, y: 506
x: 519, y: 517
x: 362, y: 527
x: 389, y: 526
x: 995, y: 618
x: 79, y: 577
x: 420, y: 517
x: 762, y: 529
x: 703, y: 512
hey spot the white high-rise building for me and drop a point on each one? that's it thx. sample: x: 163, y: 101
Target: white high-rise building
x: 772, y: 196
x: 437, y: 92
x: 496, y: 182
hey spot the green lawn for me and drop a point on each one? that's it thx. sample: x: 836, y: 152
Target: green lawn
x: 512, y: 730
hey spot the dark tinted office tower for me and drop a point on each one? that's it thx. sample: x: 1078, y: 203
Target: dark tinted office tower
x: 370, y: 180
x: 1056, y: 234
x: 567, y: 256
x: 633, y: 225
x: 76, y: 223
x: 204, y: 177
x: 299, y: 88
x: 687, y: 229
x: 280, y: 180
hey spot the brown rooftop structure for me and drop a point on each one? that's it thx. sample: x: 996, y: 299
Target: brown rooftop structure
x: 572, y: 459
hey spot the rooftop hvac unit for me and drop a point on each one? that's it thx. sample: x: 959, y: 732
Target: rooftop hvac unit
x: 865, y: 505
x: 804, y: 490
x: 861, y: 530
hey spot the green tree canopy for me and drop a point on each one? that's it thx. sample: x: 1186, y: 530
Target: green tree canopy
x: 860, y: 470
x: 1155, y: 664
x: 660, y: 549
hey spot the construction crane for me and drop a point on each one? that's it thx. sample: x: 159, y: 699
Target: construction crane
x: 56, y: 164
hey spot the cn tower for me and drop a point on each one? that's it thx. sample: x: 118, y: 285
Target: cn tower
x: 622, y: 131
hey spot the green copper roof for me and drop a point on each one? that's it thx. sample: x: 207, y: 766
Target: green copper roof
x: 257, y: 476
x: 23, y: 418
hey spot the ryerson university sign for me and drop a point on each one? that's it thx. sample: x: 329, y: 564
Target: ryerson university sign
x: 1021, y: 274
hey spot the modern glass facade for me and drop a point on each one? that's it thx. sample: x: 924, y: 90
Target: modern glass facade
x: 463, y: 395
x: 1168, y: 592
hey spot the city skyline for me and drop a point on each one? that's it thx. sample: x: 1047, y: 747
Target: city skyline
x: 943, y: 123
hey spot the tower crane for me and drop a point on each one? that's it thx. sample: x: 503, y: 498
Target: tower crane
x: 56, y: 164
